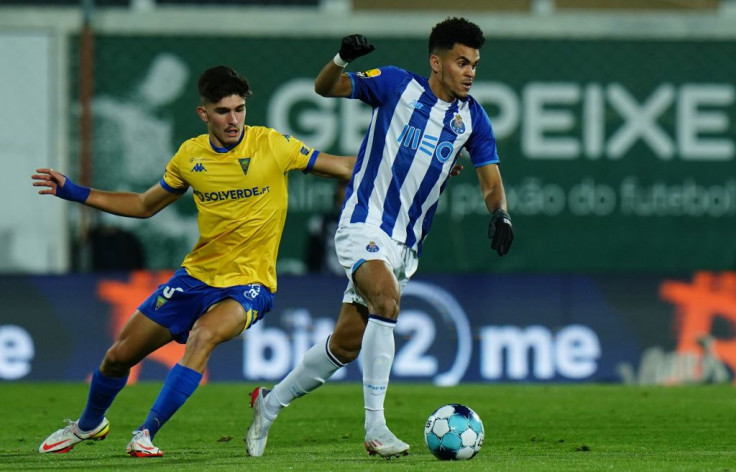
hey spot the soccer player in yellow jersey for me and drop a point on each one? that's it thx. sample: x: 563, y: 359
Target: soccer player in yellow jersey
x: 226, y: 283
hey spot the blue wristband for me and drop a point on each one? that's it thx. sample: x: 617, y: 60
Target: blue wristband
x: 72, y: 192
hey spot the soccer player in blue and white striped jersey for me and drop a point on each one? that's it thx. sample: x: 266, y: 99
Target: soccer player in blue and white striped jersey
x: 418, y: 128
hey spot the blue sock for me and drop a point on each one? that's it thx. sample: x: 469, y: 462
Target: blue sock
x: 102, y: 391
x: 178, y: 387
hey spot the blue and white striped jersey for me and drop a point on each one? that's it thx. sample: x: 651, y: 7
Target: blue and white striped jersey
x: 412, y: 144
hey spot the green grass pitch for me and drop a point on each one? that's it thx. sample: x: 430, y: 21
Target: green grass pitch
x: 528, y: 428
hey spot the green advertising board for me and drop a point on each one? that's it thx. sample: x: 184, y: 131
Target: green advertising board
x: 617, y: 155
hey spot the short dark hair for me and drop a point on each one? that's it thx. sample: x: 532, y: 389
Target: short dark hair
x: 454, y: 30
x: 219, y: 82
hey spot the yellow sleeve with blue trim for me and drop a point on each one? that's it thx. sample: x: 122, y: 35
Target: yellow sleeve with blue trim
x: 291, y: 153
x: 172, y: 180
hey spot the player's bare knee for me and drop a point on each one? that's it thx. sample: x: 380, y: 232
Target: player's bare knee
x: 345, y: 355
x: 385, y: 306
x: 345, y: 349
x: 203, y: 338
x: 115, y: 363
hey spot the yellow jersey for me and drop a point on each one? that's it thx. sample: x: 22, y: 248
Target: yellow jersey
x: 241, y: 196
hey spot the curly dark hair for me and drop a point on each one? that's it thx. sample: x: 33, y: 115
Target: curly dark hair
x: 219, y: 82
x: 454, y: 30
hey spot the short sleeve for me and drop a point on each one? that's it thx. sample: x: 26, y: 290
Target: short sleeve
x: 375, y: 86
x: 482, y: 143
x: 291, y: 153
x: 172, y: 180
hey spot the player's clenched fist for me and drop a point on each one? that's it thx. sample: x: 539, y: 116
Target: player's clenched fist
x: 355, y: 46
x: 500, y: 232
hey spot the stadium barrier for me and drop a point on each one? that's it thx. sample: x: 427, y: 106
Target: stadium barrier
x: 461, y: 328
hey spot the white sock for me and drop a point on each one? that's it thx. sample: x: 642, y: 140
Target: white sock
x: 378, y: 356
x: 317, y: 365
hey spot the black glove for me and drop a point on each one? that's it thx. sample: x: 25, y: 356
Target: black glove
x: 500, y: 232
x: 355, y: 46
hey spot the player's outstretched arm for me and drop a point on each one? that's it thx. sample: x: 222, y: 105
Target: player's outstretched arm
x: 331, y: 81
x: 500, y: 231
x: 131, y: 204
x: 329, y: 165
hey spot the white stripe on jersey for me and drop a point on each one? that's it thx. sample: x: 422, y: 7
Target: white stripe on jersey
x: 401, y: 117
x: 420, y: 149
x: 416, y: 174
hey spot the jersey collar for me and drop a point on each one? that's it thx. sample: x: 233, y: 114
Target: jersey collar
x: 226, y: 148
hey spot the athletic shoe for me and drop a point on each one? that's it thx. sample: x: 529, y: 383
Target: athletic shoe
x: 141, y: 445
x: 64, y: 440
x: 257, y: 434
x: 381, y: 441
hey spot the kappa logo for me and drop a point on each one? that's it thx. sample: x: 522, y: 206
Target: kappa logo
x: 372, y: 247
x: 199, y: 167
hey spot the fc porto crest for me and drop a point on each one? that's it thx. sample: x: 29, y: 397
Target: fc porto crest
x: 372, y: 247
x: 244, y: 164
x: 457, y: 125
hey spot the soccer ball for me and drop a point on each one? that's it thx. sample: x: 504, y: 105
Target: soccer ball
x: 454, y: 432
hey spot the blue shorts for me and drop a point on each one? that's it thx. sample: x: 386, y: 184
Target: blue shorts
x: 180, y: 302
